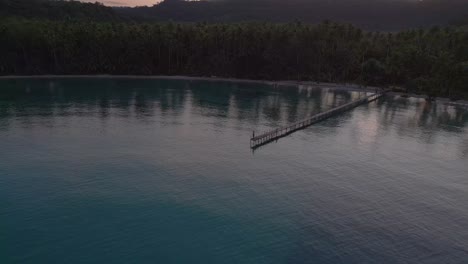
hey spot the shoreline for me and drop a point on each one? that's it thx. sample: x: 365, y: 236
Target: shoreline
x: 335, y: 86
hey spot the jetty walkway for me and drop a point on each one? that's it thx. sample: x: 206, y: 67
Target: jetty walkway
x: 257, y: 141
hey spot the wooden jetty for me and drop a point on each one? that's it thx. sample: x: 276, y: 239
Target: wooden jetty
x: 257, y: 141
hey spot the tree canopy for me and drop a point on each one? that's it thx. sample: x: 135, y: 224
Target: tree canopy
x: 70, y: 37
x: 433, y: 60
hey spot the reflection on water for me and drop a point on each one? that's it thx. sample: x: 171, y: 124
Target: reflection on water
x: 160, y: 171
x: 250, y: 106
x: 145, y: 97
x: 249, y: 103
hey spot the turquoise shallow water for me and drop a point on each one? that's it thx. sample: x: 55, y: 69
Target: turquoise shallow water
x: 159, y: 171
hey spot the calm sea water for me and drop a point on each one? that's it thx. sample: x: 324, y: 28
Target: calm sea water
x: 159, y: 171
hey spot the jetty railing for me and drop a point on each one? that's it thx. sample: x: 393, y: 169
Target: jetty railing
x: 272, y: 135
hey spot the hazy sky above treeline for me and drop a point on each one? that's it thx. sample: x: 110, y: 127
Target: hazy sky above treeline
x: 153, y: 2
x: 125, y: 2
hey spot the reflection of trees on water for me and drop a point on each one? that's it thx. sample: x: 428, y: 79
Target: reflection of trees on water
x: 464, y: 145
x: 421, y: 116
x: 251, y: 104
x: 423, y: 121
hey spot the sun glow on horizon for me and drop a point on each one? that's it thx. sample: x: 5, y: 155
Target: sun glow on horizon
x: 125, y: 2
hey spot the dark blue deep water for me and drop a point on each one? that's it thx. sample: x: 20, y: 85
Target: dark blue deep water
x: 160, y: 171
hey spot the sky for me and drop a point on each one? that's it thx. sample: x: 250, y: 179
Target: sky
x: 136, y: 2
x: 125, y: 2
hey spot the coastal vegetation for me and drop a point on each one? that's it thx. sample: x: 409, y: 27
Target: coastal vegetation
x: 433, y: 61
x: 67, y: 37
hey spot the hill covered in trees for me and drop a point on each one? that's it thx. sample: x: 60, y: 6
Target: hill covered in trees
x: 57, y: 10
x: 431, y: 61
x: 385, y: 15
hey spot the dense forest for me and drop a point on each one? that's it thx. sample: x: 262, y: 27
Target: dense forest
x: 433, y: 61
x: 69, y: 37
